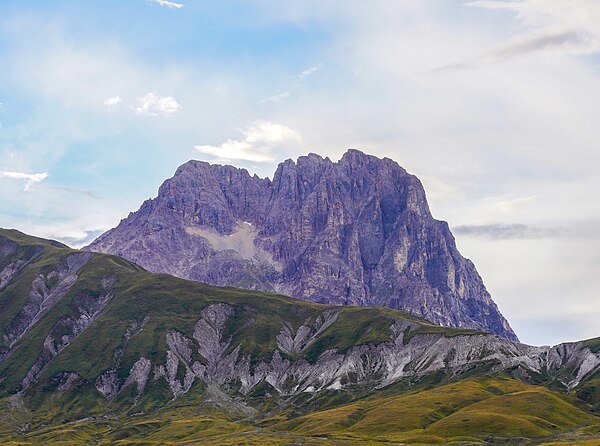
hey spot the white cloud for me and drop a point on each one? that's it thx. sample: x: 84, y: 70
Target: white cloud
x: 29, y: 178
x: 260, y: 139
x: 167, y: 4
x: 59, y: 212
x: 277, y: 97
x: 154, y: 105
x: 113, y: 101
x: 73, y: 230
x: 309, y: 72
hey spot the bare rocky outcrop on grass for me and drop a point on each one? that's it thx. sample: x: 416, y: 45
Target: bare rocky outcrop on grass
x: 210, y: 357
x: 46, y: 290
x: 294, y: 342
x: 9, y: 265
x: 87, y: 309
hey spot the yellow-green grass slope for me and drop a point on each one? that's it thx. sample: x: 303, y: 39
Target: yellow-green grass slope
x: 493, y: 410
x: 490, y: 409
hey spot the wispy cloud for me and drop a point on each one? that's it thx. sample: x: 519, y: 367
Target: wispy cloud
x: 29, y: 178
x: 277, y: 97
x: 155, y: 105
x: 167, y: 4
x: 309, y: 72
x: 113, y: 101
x: 76, y: 191
x: 545, y: 26
x: 506, y: 231
x: 259, y: 141
x: 521, y: 46
x: 548, y: 25
x: 533, y: 43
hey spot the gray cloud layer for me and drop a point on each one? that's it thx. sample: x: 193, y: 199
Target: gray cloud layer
x: 506, y: 231
x: 521, y: 47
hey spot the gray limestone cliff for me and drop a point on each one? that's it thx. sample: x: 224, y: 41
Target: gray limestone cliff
x: 354, y: 232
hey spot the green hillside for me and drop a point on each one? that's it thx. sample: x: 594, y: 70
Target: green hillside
x: 113, y: 317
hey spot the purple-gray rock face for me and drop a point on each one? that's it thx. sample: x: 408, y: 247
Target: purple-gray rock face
x: 355, y: 232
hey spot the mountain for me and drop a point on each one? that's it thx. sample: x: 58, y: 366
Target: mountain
x: 353, y: 232
x: 97, y: 350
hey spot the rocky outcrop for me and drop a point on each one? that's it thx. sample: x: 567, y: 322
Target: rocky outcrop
x: 87, y: 309
x: 10, y: 260
x: 353, y: 232
x: 9, y: 272
x: 293, y: 342
x: 7, y: 247
x: 139, y: 374
x: 66, y: 381
x: 108, y: 384
x: 408, y: 353
x: 572, y: 362
x: 46, y: 290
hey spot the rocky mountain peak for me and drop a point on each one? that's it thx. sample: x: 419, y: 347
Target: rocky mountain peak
x: 353, y: 232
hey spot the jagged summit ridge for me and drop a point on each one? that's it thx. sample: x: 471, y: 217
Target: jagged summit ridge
x: 353, y: 232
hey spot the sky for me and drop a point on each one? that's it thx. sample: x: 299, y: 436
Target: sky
x: 493, y: 104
